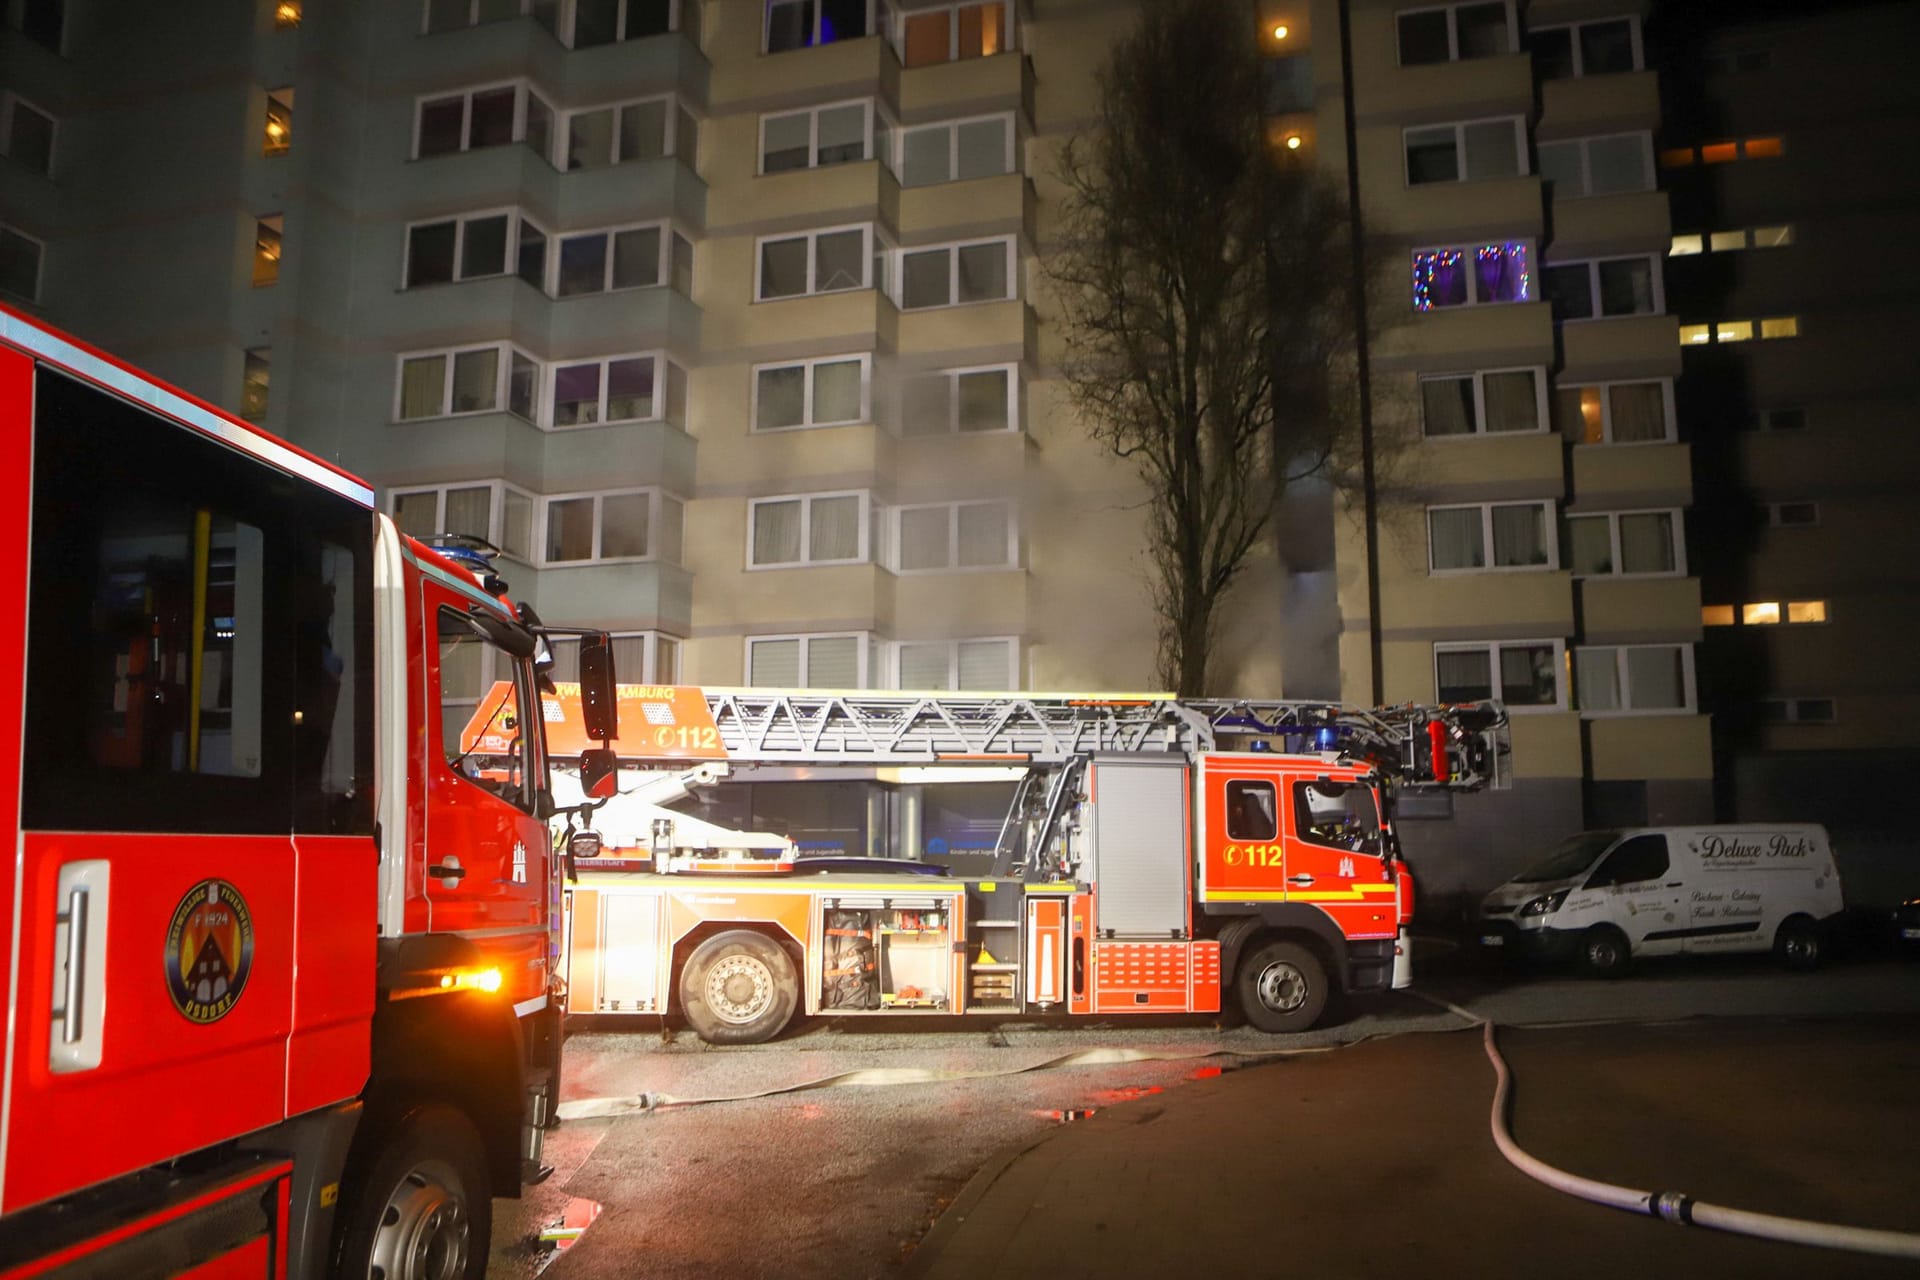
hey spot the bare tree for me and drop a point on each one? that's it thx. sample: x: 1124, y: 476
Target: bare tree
x: 1203, y: 275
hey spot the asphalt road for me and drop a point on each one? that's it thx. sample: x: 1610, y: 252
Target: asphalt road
x: 738, y: 1171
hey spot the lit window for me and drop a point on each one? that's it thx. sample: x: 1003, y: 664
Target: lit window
x: 26, y: 134
x: 1455, y: 33
x: 1719, y: 152
x: 954, y: 32
x: 1733, y: 331
x: 1763, y: 614
x: 1772, y: 237
x: 1683, y: 245
x: 1762, y: 148
x: 1693, y: 334
x: 254, y: 379
x: 286, y: 15
x: 1524, y: 674
x: 1467, y: 152
x: 1780, y: 327
x: 266, y: 250
x: 1806, y: 611
x: 1676, y: 157
x: 1721, y: 241
x: 1472, y: 275
x: 1615, y: 412
x: 1716, y: 615
x: 279, y: 133
x: 1493, y: 402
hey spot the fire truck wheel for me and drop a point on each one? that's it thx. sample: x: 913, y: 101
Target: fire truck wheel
x: 1604, y: 952
x: 1283, y: 987
x: 738, y: 988
x: 417, y: 1205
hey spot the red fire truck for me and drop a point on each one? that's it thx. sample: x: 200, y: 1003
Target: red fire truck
x: 1158, y: 854
x: 278, y: 987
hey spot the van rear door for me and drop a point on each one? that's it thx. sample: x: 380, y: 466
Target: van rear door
x: 1643, y: 892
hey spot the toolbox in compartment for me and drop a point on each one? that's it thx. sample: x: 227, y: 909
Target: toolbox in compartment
x: 891, y: 956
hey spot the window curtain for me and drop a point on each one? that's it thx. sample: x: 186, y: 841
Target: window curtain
x: 1596, y: 679
x: 986, y: 664
x: 623, y: 524
x: 782, y: 396
x: 422, y: 385
x: 1448, y: 405
x: 1527, y: 676
x: 1512, y: 401
x: 1463, y: 675
x: 923, y: 538
x: 1519, y: 536
x: 1501, y: 273
x: 1656, y: 677
x: 1455, y: 534
x: 836, y: 392
x: 1639, y: 412
x: 924, y: 666
x: 983, y: 535
x: 776, y: 533
x: 476, y: 379
x: 774, y: 662
x: 418, y: 514
x: 1646, y: 543
x: 834, y: 526
x: 833, y: 662
x: 1439, y: 279
x: 468, y: 511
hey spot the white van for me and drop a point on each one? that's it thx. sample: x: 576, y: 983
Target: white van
x: 1606, y: 896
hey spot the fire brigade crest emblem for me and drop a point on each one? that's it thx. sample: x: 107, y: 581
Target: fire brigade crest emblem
x: 209, y: 951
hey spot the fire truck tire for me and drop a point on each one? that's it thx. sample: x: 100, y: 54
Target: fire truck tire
x: 1604, y: 952
x: 416, y: 1201
x: 738, y: 987
x: 1283, y: 987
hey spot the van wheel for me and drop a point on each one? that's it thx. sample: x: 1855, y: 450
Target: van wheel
x: 1603, y: 952
x: 738, y: 988
x: 1282, y: 987
x: 1798, y: 944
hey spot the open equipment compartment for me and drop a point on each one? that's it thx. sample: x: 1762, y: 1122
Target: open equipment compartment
x: 887, y: 954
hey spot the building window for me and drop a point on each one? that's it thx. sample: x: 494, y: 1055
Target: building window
x: 639, y: 657
x: 1524, y: 674
x: 266, y: 250
x: 828, y: 261
x: 255, y: 376
x: 951, y: 275
x: 489, y: 509
x: 618, y: 258
x: 1456, y: 32
x: 41, y: 21
x: 437, y: 384
x: 812, y: 393
x: 824, y: 661
x: 613, y: 389
x: 26, y: 135
x: 1725, y: 331
x: 1716, y: 615
x: 1467, y: 152
x: 635, y: 524
x: 1626, y: 543
x: 645, y: 129
x: 964, y: 401
x: 1615, y: 412
x: 279, y: 132
x: 1768, y: 613
x: 1776, y: 420
x: 839, y: 133
x: 1493, y: 401
x: 1603, y: 288
x: 808, y: 529
x: 801, y: 24
x: 954, y: 32
x: 1783, y: 515
x: 1627, y: 678
x: 475, y: 246
x: 286, y: 15
x: 20, y: 256
x: 1798, y: 710
x: 1490, y: 535
x: 490, y: 117
x: 1601, y: 47
x: 956, y: 151
x: 597, y: 22
x: 954, y: 665
x: 1777, y: 236
x: 1472, y: 275
x: 954, y: 535
x: 1770, y: 148
x: 1599, y: 166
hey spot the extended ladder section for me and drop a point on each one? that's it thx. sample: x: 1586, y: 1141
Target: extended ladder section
x: 1463, y: 747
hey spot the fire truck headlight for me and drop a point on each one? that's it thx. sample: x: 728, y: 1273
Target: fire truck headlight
x: 1545, y: 905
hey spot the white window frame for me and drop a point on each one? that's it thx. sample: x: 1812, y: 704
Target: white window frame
x: 503, y: 377
x: 806, y: 501
x: 496, y: 510
x: 515, y: 218
x: 1459, y: 127
x: 39, y: 260
x: 1542, y: 407
x: 1493, y: 648
x: 650, y: 664
x: 1776, y: 514
x: 869, y: 152
x: 1585, y: 142
x: 1606, y: 411
x: 897, y: 27
x: 897, y: 162
x: 1473, y: 279
x: 11, y: 104
x: 876, y: 14
x: 663, y: 369
x: 473, y: 14
x: 864, y: 645
x: 812, y: 237
x: 566, y: 25
x: 657, y: 497
x: 676, y: 107
x: 1579, y: 71
x: 1011, y: 643
x: 865, y: 359
x: 1453, y: 30
x: 1690, y: 703
x: 522, y: 90
x: 952, y: 379
x: 896, y: 515
x: 1549, y: 530
x: 952, y: 249
x: 667, y: 228
x: 1654, y: 261
x: 1677, y: 529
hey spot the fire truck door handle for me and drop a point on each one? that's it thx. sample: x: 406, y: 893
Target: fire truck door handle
x: 73, y: 1008
x: 1301, y: 879
x: 453, y: 873
x: 82, y: 907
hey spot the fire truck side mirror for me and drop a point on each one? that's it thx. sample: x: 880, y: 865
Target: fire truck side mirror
x: 599, y: 772
x: 599, y: 708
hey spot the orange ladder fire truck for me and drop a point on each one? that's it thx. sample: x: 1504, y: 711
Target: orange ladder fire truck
x: 279, y: 987
x: 1157, y: 852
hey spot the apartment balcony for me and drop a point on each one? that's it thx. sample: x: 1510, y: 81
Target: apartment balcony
x: 946, y: 468
x: 620, y: 194
x: 621, y: 455
x: 1547, y: 745
x: 425, y: 64
x: 1620, y: 347
x: 1455, y: 606
x: 950, y: 89
x: 1503, y: 335
x: 1657, y: 746
x: 978, y: 326
x: 469, y: 311
x: 801, y: 199
x: 1455, y: 212
x: 978, y: 602
x: 510, y: 175
x: 960, y: 210
x: 770, y: 462
x: 848, y: 597
x: 843, y: 69
x: 1529, y: 464
x: 642, y: 595
x: 1639, y: 610
x: 1473, y: 89
x: 503, y: 446
x: 1597, y: 226
x: 856, y: 320
x: 1610, y: 477
x: 624, y: 320
x: 1586, y: 105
